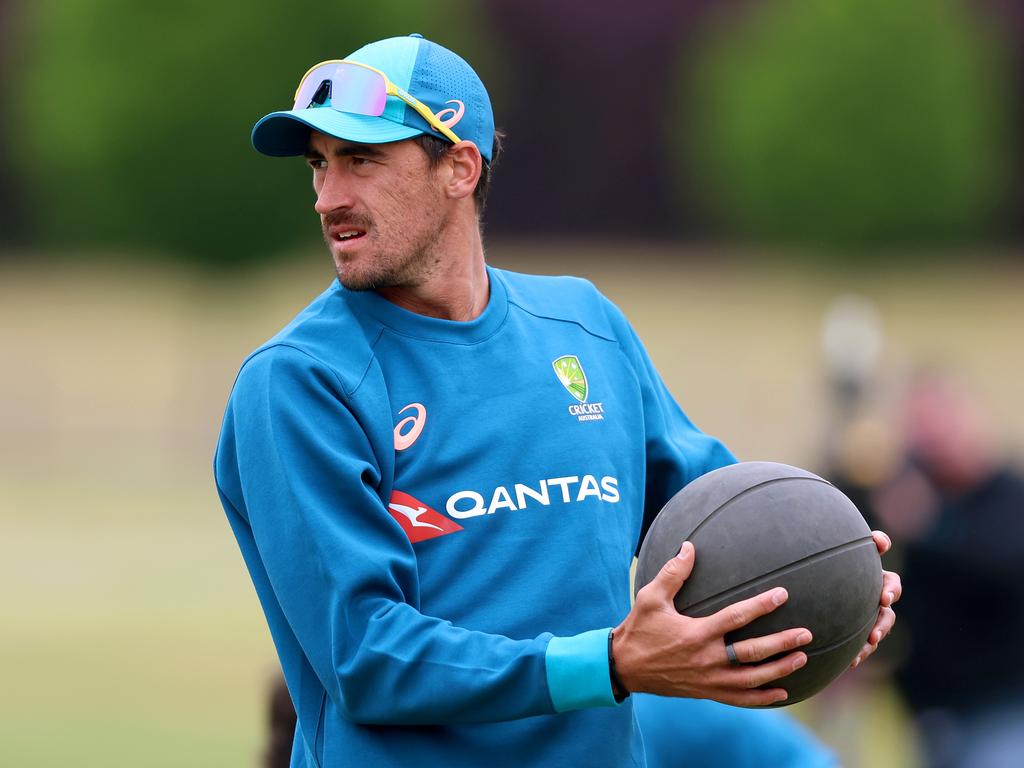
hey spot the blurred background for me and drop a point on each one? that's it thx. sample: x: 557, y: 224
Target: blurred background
x: 809, y: 211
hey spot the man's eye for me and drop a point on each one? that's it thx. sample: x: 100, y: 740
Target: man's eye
x: 356, y: 160
x: 317, y: 165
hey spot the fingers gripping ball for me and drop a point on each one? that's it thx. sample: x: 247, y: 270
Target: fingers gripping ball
x: 760, y: 525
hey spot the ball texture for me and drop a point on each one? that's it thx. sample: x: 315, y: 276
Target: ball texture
x: 760, y: 525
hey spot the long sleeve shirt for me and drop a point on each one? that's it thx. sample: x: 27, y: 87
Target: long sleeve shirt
x: 439, y: 519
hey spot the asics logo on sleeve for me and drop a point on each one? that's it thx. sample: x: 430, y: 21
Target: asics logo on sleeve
x: 419, y: 521
x: 408, y: 430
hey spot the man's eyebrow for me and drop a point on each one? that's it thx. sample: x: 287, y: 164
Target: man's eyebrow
x: 347, y: 150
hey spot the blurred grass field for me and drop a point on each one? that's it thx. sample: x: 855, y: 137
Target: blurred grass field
x: 132, y: 635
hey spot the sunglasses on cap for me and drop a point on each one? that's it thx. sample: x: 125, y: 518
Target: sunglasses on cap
x: 360, y: 89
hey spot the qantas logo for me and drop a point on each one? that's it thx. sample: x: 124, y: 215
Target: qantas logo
x: 569, y: 489
x: 414, y: 516
x: 419, y: 521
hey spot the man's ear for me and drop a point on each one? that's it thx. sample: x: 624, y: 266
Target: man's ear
x: 465, y: 163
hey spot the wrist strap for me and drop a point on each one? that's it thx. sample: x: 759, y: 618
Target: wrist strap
x: 619, y: 690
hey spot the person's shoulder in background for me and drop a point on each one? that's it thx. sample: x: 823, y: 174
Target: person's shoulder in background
x: 681, y: 733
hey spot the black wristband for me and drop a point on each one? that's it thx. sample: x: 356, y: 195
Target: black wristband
x: 619, y: 690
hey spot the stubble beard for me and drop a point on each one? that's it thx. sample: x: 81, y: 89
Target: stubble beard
x: 406, y: 267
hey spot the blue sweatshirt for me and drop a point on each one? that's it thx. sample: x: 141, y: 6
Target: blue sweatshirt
x: 439, y: 519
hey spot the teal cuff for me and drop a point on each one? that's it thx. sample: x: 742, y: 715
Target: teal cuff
x: 577, y: 671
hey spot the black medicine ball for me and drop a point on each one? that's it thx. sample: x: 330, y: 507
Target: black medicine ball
x: 760, y: 525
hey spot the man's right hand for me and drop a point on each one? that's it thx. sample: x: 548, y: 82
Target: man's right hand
x: 658, y: 650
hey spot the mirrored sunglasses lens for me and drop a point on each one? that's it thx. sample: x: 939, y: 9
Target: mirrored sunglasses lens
x: 311, y: 85
x: 359, y: 90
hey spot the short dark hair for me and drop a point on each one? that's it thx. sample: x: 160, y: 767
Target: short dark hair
x: 436, y: 148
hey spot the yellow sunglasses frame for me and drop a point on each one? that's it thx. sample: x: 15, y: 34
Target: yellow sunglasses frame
x: 392, y: 90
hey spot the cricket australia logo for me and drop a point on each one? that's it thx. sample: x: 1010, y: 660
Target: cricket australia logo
x: 570, y: 372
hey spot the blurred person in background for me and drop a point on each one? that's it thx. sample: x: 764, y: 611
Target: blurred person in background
x: 395, y: 653
x: 956, y: 513
x: 281, y: 721
x: 677, y: 733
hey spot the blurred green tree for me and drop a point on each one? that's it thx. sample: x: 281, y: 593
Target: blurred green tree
x: 11, y: 218
x: 850, y: 124
x: 134, y: 118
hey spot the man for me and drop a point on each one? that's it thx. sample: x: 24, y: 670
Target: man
x: 438, y: 473
x: 956, y: 510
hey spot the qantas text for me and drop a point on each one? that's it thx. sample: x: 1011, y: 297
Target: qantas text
x: 465, y: 504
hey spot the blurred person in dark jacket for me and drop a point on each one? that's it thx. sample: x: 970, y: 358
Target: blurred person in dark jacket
x: 281, y: 720
x: 956, y: 511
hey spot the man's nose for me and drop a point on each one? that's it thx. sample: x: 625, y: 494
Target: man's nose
x: 335, y: 193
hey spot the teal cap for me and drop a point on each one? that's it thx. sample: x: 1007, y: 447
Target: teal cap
x: 439, y: 78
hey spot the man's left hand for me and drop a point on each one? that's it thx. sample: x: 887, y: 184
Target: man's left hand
x: 892, y: 588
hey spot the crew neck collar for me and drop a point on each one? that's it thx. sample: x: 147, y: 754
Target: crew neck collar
x: 421, y: 326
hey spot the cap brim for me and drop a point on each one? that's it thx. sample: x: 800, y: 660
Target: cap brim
x: 286, y: 134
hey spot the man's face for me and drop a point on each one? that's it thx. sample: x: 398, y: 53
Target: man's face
x: 948, y: 431
x: 381, y: 208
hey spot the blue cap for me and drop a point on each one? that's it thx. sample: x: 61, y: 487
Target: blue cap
x: 439, y: 78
